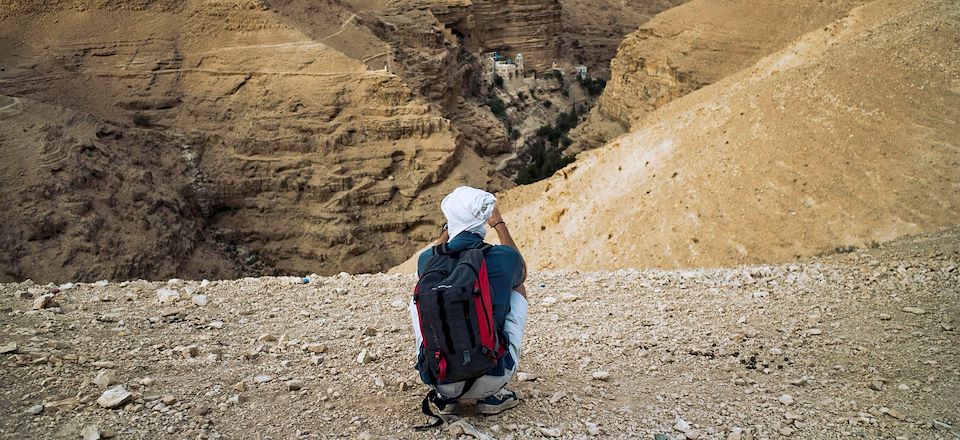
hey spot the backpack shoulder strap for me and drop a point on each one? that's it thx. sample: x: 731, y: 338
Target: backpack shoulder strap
x: 435, y: 397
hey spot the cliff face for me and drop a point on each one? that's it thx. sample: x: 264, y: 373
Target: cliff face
x: 303, y: 158
x: 690, y: 46
x: 594, y: 29
x: 530, y: 27
x: 845, y: 137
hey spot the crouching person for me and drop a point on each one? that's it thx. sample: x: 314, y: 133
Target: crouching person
x: 469, y: 309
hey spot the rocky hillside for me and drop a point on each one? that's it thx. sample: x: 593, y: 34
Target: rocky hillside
x: 857, y: 345
x: 315, y: 135
x: 690, y: 46
x: 301, y: 157
x: 846, y: 137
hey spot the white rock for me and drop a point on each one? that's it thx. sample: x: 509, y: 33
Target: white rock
x: 550, y: 432
x: 786, y: 399
x: 398, y: 304
x: 199, y: 300
x: 569, y: 297
x: 105, y: 378
x: 90, y: 432
x: 592, y: 428
x: 548, y: 300
x: 35, y: 409
x: 10, y: 347
x: 681, y: 425
x: 526, y: 377
x: 167, y: 296
x: 601, y: 375
x: 114, y: 397
x: 364, y: 357
x: 262, y: 378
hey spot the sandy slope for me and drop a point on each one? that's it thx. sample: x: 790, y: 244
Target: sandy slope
x: 846, y: 137
x: 717, y: 348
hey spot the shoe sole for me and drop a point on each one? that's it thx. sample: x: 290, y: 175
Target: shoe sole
x: 490, y: 410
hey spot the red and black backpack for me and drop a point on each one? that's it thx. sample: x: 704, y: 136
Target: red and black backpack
x: 455, y: 313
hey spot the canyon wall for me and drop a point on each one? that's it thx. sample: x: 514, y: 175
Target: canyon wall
x: 845, y: 137
x: 690, y: 46
x: 304, y: 159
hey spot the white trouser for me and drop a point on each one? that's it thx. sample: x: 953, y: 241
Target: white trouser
x: 485, y: 385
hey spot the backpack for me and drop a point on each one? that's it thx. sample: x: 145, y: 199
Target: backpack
x: 454, y: 304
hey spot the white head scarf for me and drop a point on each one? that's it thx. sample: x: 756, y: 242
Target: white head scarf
x: 467, y: 209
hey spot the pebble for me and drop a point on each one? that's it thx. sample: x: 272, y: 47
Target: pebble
x: 914, y: 310
x: 681, y: 425
x: 736, y: 433
x: 43, y: 302
x: 10, y: 347
x: 786, y: 399
x: 692, y: 434
x: 550, y: 432
x: 569, y: 297
x: 105, y: 378
x: 364, y: 357
x: 90, y: 432
x: 114, y: 397
x: 294, y: 385
x: 592, y: 428
x: 315, y: 348
x: 147, y: 381
x: 876, y: 385
x: 398, y: 304
x: 941, y: 426
x: 165, y: 296
x: 35, y: 409
x: 526, y: 377
x: 884, y: 317
x: 262, y: 378
x: 548, y: 300
x: 199, y: 300
x: 601, y: 375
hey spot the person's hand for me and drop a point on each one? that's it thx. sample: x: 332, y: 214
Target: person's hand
x: 495, y: 217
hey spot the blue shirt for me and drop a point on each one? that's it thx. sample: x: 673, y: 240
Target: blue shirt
x: 504, y: 270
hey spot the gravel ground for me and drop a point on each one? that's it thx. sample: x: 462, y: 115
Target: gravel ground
x: 862, y: 344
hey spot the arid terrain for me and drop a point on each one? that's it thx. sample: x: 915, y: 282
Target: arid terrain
x: 293, y: 136
x: 757, y: 237
x: 846, y: 137
x: 856, y: 345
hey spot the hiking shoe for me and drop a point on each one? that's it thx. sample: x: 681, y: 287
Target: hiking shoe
x: 451, y: 407
x: 499, y: 402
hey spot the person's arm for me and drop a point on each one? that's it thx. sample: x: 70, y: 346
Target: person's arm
x: 444, y: 236
x: 496, y: 222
